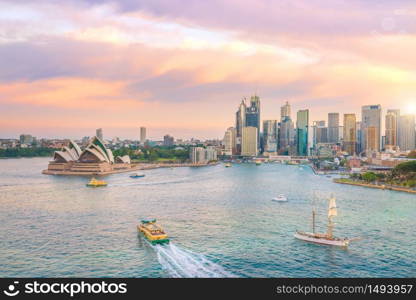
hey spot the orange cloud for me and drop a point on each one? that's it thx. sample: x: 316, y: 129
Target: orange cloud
x: 70, y: 93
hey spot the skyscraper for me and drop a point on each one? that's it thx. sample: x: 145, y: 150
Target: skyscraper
x: 373, y: 140
x: 270, y: 136
x: 320, y: 132
x: 240, y: 121
x: 253, y: 115
x: 358, y: 137
x: 302, y: 127
x: 333, y: 128
x: 230, y: 141
x: 341, y: 133
x: 350, y: 134
x: 249, y: 145
x: 284, y: 111
x: 370, y: 117
x: 99, y: 133
x: 407, y: 133
x: 142, y: 135
x: 286, y: 135
x: 392, y: 122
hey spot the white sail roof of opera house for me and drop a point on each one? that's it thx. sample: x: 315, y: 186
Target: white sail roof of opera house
x: 97, y: 156
x: 68, y: 153
x: 123, y: 159
x: 96, y: 151
x: 97, y: 148
x: 62, y: 156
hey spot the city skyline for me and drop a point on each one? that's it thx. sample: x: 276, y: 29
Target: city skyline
x: 305, y: 137
x: 383, y: 131
x: 69, y: 68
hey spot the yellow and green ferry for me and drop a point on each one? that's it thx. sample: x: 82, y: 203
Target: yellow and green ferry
x: 96, y: 183
x: 153, y: 232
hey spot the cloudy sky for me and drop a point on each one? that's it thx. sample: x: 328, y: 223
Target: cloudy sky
x: 182, y: 66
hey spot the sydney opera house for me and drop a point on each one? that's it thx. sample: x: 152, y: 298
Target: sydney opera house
x: 95, y: 159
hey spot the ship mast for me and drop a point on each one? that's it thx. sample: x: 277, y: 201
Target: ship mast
x: 313, y: 220
x: 332, y: 212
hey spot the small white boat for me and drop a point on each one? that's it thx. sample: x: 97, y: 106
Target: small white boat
x: 135, y: 175
x: 280, y: 198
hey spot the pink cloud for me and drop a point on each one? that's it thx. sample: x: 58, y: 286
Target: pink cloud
x: 169, y: 66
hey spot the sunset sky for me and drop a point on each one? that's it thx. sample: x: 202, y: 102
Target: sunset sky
x: 182, y: 66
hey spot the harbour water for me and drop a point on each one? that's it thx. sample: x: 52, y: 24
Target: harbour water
x: 221, y: 221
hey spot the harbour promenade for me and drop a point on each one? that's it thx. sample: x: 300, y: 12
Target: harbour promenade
x: 134, y: 167
x: 375, y: 186
x: 148, y: 166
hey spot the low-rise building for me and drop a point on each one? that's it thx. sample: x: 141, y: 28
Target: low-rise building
x: 326, y: 149
x: 353, y: 162
x: 200, y: 155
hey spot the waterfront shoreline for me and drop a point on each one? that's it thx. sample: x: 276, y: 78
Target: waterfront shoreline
x: 135, y: 167
x: 321, y: 172
x: 374, y: 186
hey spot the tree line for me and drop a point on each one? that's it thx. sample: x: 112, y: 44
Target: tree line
x: 403, y: 174
x: 157, y: 153
x: 27, y: 152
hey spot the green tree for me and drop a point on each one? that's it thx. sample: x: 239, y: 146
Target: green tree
x: 405, y: 168
x: 369, y: 176
x: 153, y: 156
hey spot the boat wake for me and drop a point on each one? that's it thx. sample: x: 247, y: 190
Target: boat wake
x: 184, y: 263
x: 172, y: 181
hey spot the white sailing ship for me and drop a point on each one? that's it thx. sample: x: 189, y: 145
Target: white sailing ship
x: 328, y: 237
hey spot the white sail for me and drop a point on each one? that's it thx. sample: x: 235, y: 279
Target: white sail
x: 332, y: 209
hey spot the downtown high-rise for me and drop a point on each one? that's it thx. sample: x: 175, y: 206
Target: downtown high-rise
x: 407, y: 139
x: 230, y: 141
x: 253, y: 115
x: 286, y: 131
x: 240, y: 123
x: 350, y: 134
x: 320, y: 132
x: 286, y: 136
x: 249, y: 145
x: 392, y: 128
x: 284, y: 111
x: 270, y: 136
x: 302, y: 128
x: 333, y: 128
x: 370, y: 128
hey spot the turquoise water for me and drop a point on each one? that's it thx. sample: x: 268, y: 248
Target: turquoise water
x: 222, y: 223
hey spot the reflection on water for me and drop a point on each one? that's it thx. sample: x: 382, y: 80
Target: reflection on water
x: 221, y: 221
